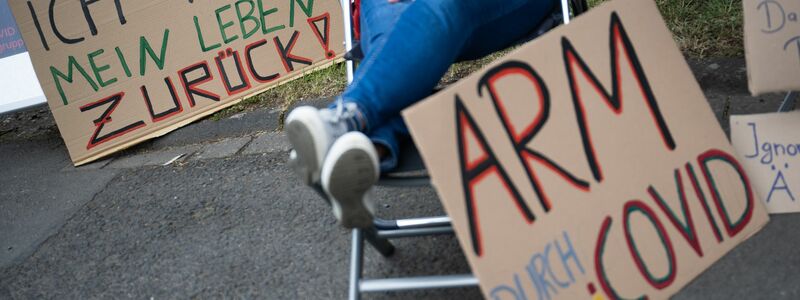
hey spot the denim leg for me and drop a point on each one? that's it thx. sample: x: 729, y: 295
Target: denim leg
x: 377, y: 19
x: 424, y: 41
x: 389, y: 135
x: 506, y: 31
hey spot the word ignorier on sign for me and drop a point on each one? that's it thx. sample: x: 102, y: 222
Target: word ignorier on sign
x: 771, y: 156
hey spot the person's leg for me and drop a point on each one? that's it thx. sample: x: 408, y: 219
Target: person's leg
x: 377, y: 19
x: 398, y: 71
x: 426, y: 39
x: 387, y: 137
x: 312, y: 131
x: 511, y: 29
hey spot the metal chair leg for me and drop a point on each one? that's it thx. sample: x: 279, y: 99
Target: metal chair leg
x: 565, y: 11
x: 380, y: 236
x: 356, y: 260
x: 348, y: 37
x: 788, y: 102
x: 382, y: 245
x: 418, y: 283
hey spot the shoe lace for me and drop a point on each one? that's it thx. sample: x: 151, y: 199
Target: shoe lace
x: 346, y: 113
x: 339, y: 109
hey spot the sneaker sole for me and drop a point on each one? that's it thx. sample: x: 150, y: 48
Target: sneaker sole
x: 351, y: 177
x: 300, y: 135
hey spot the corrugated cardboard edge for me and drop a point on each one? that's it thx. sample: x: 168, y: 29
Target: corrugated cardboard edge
x: 104, y: 153
x: 750, y: 84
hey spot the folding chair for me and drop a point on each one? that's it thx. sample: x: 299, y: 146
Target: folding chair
x: 411, y: 173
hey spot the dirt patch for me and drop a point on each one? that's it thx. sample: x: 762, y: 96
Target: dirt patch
x: 33, y: 123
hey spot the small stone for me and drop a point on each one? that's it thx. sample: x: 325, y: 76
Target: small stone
x: 713, y: 66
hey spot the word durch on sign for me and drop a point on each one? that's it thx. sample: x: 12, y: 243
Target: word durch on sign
x: 233, y: 69
x: 474, y: 171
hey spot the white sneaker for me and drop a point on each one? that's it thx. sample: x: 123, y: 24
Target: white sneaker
x: 348, y: 174
x: 312, y: 132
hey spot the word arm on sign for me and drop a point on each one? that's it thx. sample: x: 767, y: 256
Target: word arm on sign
x: 477, y: 170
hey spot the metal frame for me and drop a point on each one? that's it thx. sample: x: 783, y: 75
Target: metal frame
x: 348, y: 36
x: 379, y: 235
x: 379, y: 239
x: 382, y: 231
x: 789, y: 102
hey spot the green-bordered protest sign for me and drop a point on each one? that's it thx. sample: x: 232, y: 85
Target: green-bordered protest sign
x: 117, y: 72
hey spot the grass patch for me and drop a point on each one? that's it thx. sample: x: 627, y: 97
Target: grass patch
x: 322, y: 83
x: 329, y: 82
x: 463, y: 69
x: 703, y: 28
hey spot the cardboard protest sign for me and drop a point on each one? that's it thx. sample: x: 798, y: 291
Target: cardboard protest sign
x: 772, y: 45
x: 587, y: 164
x: 769, y: 145
x: 118, y: 72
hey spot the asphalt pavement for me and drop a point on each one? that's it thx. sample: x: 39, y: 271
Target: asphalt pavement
x: 212, y: 211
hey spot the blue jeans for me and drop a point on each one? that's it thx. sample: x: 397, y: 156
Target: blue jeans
x: 409, y: 46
